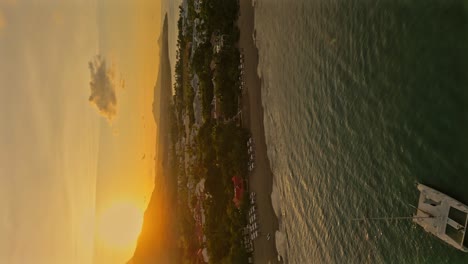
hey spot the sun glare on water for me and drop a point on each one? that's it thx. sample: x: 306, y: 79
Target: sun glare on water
x: 120, y: 225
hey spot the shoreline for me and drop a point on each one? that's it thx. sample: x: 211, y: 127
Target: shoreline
x: 261, y: 179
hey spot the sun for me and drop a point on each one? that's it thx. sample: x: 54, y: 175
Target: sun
x: 120, y: 225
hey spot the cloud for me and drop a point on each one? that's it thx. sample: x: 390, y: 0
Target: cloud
x: 103, y: 87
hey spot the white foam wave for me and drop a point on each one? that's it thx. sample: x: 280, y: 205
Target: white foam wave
x: 281, y: 245
x: 276, y: 201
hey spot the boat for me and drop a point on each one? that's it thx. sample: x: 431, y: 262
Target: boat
x: 442, y: 216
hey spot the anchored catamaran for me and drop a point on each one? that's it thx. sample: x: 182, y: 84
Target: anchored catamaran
x: 442, y: 216
x: 438, y: 214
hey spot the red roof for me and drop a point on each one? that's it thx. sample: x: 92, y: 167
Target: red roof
x: 199, y: 233
x: 238, y: 190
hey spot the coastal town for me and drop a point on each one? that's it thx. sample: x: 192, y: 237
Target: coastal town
x: 212, y: 151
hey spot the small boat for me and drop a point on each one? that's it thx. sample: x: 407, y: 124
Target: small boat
x: 442, y: 216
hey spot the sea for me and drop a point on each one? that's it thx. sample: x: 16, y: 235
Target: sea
x: 363, y: 100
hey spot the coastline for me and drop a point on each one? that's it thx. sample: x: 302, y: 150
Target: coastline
x: 261, y: 179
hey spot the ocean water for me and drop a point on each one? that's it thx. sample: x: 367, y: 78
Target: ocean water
x: 363, y: 99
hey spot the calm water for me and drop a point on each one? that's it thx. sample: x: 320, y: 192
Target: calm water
x: 362, y: 100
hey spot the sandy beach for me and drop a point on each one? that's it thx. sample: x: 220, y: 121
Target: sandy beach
x: 261, y: 180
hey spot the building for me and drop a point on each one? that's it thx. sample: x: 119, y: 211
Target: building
x: 198, y: 5
x: 238, y: 190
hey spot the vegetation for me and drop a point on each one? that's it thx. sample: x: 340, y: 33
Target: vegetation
x: 224, y: 221
x: 213, y: 149
x: 227, y: 80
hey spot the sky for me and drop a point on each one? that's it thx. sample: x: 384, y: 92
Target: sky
x: 77, y: 136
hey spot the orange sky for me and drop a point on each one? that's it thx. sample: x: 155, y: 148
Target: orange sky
x: 62, y: 164
x: 128, y: 35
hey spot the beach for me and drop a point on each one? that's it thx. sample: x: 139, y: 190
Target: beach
x: 261, y: 179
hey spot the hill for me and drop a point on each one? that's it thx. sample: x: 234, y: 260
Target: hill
x: 157, y: 241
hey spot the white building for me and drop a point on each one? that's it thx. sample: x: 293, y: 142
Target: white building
x: 198, y: 5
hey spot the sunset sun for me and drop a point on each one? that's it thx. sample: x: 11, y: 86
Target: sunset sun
x: 120, y: 225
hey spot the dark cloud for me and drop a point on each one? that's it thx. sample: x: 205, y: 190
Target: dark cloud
x: 103, y: 87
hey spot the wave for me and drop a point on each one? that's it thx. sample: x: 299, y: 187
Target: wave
x: 281, y: 245
x: 276, y: 201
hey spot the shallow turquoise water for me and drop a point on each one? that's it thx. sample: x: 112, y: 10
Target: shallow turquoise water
x: 362, y: 100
